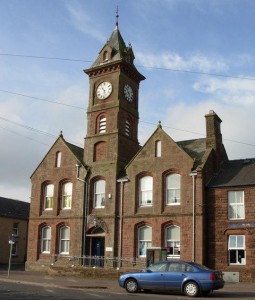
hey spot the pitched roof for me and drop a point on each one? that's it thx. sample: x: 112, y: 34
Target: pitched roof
x: 195, y: 149
x: 14, y: 209
x: 235, y: 173
x: 118, y: 46
x: 77, y: 151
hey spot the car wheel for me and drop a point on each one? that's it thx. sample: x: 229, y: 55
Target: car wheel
x: 131, y: 286
x: 191, y: 289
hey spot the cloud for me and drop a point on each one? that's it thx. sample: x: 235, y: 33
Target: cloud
x: 84, y: 22
x: 171, y: 60
x: 231, y: 91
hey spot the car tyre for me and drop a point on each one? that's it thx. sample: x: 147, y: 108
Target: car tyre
x: 191, y: 289
x: 131, y: 286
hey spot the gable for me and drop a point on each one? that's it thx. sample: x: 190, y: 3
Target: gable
x: 70, y: 155
x: 172, y: 156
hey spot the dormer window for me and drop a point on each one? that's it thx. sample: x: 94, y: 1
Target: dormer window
x: 105, y: 56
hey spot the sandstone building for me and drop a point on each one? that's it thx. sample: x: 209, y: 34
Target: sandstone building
x: 115, y: 198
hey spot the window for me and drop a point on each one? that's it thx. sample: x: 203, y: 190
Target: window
x: 173, y: 241
x: 64, y: 240
x: 15, y: 229
x: 67, y: 190
x: 102, y: 124
x: 145, y: 191
x: 236, y: 249
x: 236, y: 205
x: 173, y: 183
x: 99, y: 194
x: 58, y: 159
x: 145, y: 237
x: 105, y: 55
x: 46, y: 238
x: 48, y: 198
x: 127, y: 128
x: 15, y: 238
x: 158, y: 149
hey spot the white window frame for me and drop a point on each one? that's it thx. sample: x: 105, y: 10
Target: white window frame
x: 236, y: 207
x: 146, y: 191
x: 46, y: 240
x: 64, y: 246
x: 48, y: 196
x: 173, y: 243
x: 99, y: 194
x: 236, y: 246
x: 173, y: 189
x: 67, y: 191
x: 144, y: 243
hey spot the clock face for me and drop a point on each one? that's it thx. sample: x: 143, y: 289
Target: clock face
x: 128, y: 92
x: 104, y: 90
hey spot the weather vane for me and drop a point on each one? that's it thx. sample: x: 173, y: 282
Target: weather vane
x: 117, y: 16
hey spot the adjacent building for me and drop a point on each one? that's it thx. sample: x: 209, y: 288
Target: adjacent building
x: 14, y: 216
x: 115, y: 198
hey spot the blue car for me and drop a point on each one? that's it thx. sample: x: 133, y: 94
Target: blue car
x: 187, y: 277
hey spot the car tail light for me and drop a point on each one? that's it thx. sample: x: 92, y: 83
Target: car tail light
x: 212, y: 276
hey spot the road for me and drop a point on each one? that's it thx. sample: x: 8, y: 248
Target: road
x: 17, y: 291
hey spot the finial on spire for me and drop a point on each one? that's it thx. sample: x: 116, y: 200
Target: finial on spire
x: 117, y: 16
x: 159, y: 124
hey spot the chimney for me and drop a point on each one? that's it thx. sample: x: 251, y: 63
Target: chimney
x: 213, y: 132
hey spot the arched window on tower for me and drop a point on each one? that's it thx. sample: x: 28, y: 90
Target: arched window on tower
x: 102, y: 124
x: 127, y: 128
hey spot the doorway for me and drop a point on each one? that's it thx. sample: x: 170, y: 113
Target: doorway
x: 97, y: 250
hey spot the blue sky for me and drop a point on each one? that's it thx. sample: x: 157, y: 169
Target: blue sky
x: 177, y: 45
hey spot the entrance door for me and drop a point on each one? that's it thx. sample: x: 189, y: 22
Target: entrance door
x: 97, y: 249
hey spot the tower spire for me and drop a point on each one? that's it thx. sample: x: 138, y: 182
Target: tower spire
x: 117, y: 17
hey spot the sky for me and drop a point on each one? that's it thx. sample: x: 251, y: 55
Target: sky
x: 196, y: 55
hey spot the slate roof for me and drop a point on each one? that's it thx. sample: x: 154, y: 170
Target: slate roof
x: 118, y: 46
x: 195, y: 149
x: 14, y: 209
x: 235, y: 173
x: 77, y: 151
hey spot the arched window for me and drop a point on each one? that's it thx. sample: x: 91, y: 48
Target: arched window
x: 67, y: 190
x: 172, y: 241
x: 46, y: 238
x: 158, y: 149
x: 48, y: 196
x: 102, y: 124
x: 58, y: 159
x: 99, y: 194
x: 173, y: 184
x: 144, y: 239
x: 100, y: 151
x: 127, y: 128
x: 64, y: 240
x: 145, y: 191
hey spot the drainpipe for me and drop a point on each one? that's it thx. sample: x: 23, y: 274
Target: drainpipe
x: 85, y: 181
x: 193, y: 174
x: 122, y: 181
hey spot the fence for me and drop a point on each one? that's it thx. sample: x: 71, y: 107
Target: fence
x: 98, y: 261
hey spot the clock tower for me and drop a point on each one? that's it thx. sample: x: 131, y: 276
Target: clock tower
x: 112, y: 128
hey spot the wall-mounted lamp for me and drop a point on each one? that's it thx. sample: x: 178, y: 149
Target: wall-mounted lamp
x: 109, y: 196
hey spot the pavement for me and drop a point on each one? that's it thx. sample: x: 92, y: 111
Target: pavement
x: 58, y: 281
x: 111, y: 284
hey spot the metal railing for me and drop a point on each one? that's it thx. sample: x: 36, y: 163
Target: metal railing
x: 97, y: 262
